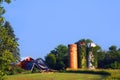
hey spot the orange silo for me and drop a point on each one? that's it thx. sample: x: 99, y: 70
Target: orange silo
x: 73, y: 56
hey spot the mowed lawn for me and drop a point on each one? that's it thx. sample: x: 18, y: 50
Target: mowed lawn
x: 55, y: 76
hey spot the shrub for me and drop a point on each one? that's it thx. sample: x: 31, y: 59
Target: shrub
x: 2, y: 75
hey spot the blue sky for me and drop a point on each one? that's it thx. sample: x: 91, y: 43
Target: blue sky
x: 41, y: 25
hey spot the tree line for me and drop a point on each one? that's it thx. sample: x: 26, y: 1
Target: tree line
x: 58, y: 58
x: 9, y: 50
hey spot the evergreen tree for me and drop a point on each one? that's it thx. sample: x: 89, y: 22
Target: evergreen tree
x: 7, y: 44
x: 15, y: 51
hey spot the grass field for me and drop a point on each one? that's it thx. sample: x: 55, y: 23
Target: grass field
x: 75, y: 75
x: 55, y: 76
x: 115, y: 74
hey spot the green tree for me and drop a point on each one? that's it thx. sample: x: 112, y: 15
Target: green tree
x: 60, y: 55
x: 96, y: 52
x: 7, y: 44
x: 50, y: 59
x: 113, y: 55
x: 111, y: 58
x: 113, y: 48
x: 15, y: 51
x: 100, y: 56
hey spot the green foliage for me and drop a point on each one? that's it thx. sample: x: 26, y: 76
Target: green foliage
x: 7, y: 1
x: 13, y: 70
x: 83, y: 51
x: 11, y: 34
x: 113, y: 48
x: 51, y: 60
x: 82, y: 57
x: 95, y: 53
x: 102, y: 59
x: 60, y: 65
x: 115, y: 65
x: 7, y: 44
x: 58, y: 58
x: 2, y: 75
x: 5, y: 59
x: 111, y: 59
